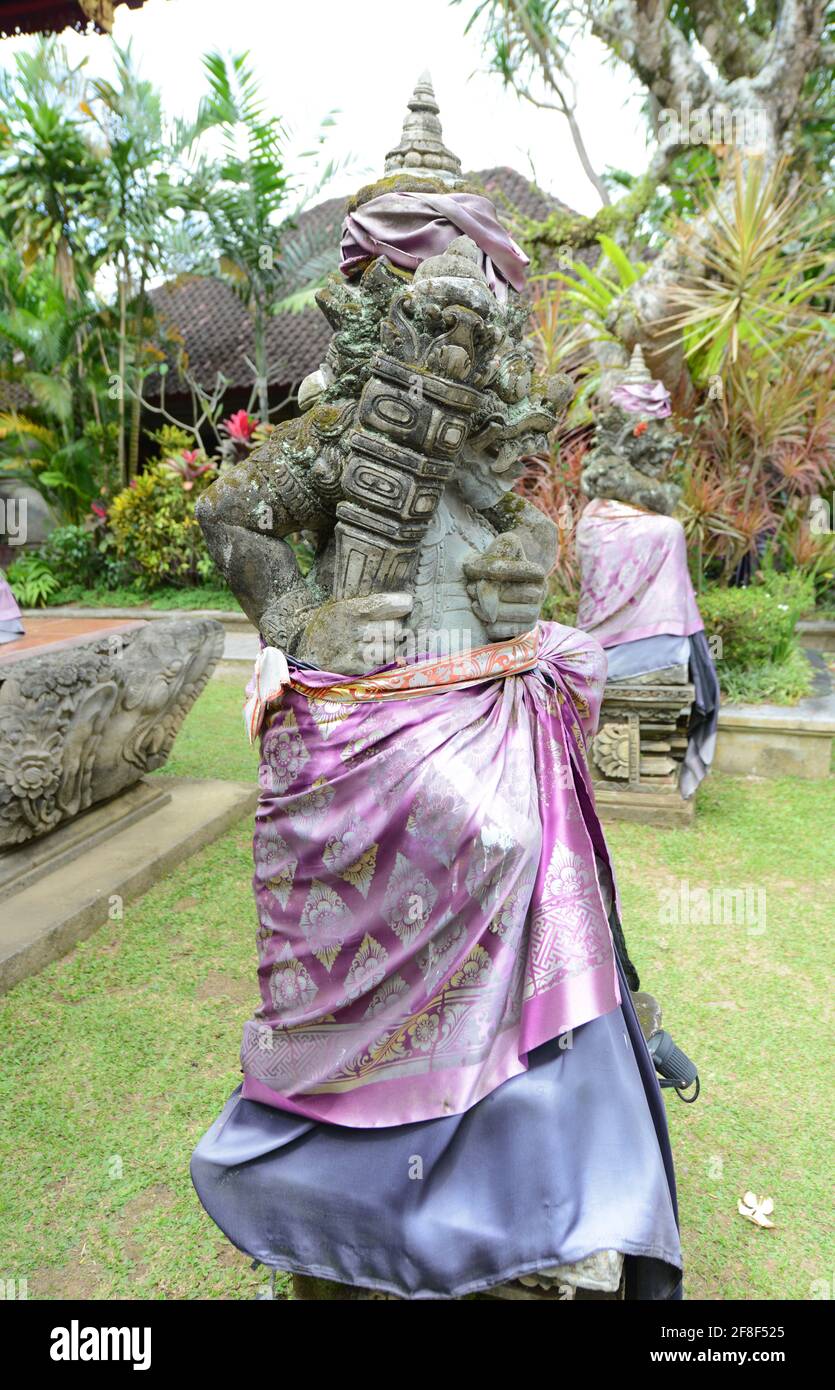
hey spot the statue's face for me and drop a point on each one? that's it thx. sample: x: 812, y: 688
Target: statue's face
x: 477, y: 483
x: 647, y: 445
x: 512, y: 424
x: 652, y: 450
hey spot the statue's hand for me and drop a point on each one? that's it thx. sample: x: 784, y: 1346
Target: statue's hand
x: 506, y: 588
x: 354, y: 635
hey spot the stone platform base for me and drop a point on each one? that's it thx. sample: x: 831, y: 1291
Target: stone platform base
x: 664, y: 808
x: 818, y: 634
x: 775, y: 741
x: 307, y: 1289
x: 58, y: 889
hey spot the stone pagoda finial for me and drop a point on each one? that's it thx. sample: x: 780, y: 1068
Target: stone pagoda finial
x: 637, y: 372
x: 422, y: 150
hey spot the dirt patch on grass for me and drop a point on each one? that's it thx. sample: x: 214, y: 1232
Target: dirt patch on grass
x: 218, y: 985
x: 155, y: 1199
x: 77, y: 1279
x: 229, y: 1257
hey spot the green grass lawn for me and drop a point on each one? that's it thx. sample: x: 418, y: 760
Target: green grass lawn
x: 200, y: 596
x: 119, y: 1056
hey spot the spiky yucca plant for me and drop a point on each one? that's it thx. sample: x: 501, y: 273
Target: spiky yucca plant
x: 768, y: 266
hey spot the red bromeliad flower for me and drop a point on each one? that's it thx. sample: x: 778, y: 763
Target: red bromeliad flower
x: 188, y: 467
x: 241, y: 426
x: 99, y: 510
x: 640, y: 428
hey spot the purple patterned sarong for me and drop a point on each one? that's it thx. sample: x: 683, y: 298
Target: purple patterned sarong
x: 10, y: 625
x: 426, y: 881
x: 634, y: 577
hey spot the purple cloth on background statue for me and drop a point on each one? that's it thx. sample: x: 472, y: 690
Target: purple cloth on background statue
x: 634, y: 580
x: 10, y: 625
x: 408, y: 228
x: 648, y: 398
x: 426, y: 884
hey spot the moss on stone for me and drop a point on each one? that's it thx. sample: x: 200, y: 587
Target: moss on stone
x: 405, y: 183
x: 509, y: 509
x: 564, y: 228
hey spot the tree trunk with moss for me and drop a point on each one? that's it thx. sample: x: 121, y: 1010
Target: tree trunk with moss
x: 748, y: 97
x: 750, y: 104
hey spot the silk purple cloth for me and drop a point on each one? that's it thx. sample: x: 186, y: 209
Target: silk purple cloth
x: 569, y: 1157
x: 408, y: 228
x: 634, y: 580
x: 648, y: 398
x: 427, y: 890
x: 10, y: 624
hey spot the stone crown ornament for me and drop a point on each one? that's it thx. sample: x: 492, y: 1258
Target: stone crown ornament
x: 637, y: 372
x: 638, y: 394
x: 421, y: 149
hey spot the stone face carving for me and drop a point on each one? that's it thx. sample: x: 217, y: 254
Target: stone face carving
x: 81, y: 724
x: 634, y: 446
x: 402, y: 465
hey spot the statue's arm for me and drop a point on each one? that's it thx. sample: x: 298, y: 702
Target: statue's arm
x: 536, y: 532
x: 245, y: 516
x: 506, y: 582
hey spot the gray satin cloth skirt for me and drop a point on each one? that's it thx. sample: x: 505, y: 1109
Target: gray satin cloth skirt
x: 567, y: 1158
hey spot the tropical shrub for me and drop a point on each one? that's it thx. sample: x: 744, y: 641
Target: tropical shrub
x: 756, y: 625
x: 155, y: 529
x: 73, y: 556
x: 767, y: 254
x: 773, y: 682
x: 31, y: 580
x: 552, y: 482
x: 752, y: 635
x: 759, y: 451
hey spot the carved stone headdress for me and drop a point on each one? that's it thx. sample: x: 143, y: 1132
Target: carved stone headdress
x: 637, y: 371
x: 638, y: 394
x: 421, y: 150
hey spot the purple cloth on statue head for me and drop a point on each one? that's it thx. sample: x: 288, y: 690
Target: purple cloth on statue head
x: 408, y: 228
x: 650, y: 398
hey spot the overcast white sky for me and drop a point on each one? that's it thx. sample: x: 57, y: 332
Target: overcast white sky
x: 364, y: 58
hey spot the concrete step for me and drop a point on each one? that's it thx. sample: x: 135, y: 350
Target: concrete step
x: 59, y: 903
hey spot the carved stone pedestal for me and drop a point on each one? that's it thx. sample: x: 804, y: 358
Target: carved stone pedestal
x: 306, y: 1289
x: 639, y: 747
x: 83, y: 722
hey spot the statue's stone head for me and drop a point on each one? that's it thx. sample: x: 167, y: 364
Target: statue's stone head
x: 446, y: 304
x: 634, y: 443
